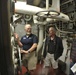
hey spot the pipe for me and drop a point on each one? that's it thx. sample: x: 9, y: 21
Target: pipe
x: 12, y: 29
x: 63, y: 31
x: 22, y: 7
x: 47, y: 4
x: 12, y: 41
x: 66, y: 2
x: 61, y: 17
x: 40, y: 38
x: 55, y: 5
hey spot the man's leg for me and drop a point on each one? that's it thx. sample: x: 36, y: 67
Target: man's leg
x: 32, y: 62
x: 25, y: 63
x: 46, y: 65
x: 54, y: 65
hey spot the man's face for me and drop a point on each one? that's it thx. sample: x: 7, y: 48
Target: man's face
x: 28, y: 29
x: 51, y: 31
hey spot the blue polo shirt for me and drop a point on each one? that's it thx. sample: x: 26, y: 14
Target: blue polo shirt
x: 28, y: 41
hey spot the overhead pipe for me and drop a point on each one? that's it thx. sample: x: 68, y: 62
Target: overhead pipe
x: 55, y: 5
x: 23, y: 8
x: 47, y: 4
x: 61, y: 17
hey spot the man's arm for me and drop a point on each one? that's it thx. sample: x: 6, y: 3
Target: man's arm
x: 17, y: 39
x: 19, y: 43
x: 34, y: 46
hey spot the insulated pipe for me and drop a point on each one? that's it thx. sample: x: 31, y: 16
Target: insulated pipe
x: 22, y: 7
x: 40, y: 38
x: 61, y: 17
x: 56, y: 5
x: 47, y: 4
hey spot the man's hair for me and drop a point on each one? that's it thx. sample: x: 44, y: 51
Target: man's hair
x: 52, y: 28
x: 27, y: 25
x: 47, y: 29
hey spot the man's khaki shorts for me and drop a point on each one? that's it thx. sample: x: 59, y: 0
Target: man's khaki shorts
x: 49, y: 61
x: 30, y: 60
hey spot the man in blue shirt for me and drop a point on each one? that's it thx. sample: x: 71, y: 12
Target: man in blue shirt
x: 28, y: 43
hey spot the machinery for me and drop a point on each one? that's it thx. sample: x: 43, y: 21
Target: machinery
x: 40, y: 14
x: 40, y: 19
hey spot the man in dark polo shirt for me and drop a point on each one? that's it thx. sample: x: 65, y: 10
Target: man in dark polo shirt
x: 52, y: 51
x: 28, y: 43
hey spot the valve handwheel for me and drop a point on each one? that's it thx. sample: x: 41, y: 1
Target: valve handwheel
x: 48, y: 13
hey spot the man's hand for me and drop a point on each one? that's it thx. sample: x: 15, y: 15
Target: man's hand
x: 23, y: 51
x: 16, y: 36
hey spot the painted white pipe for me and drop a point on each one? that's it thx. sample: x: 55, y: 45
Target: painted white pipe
x: 47, y: 4
x: 12, y: 29
x: 56, y: 5
x: 22, y: 7
x: 12, y: 41
x: 63, y: 31
x: 40, y: 38
x: 61, y: 17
